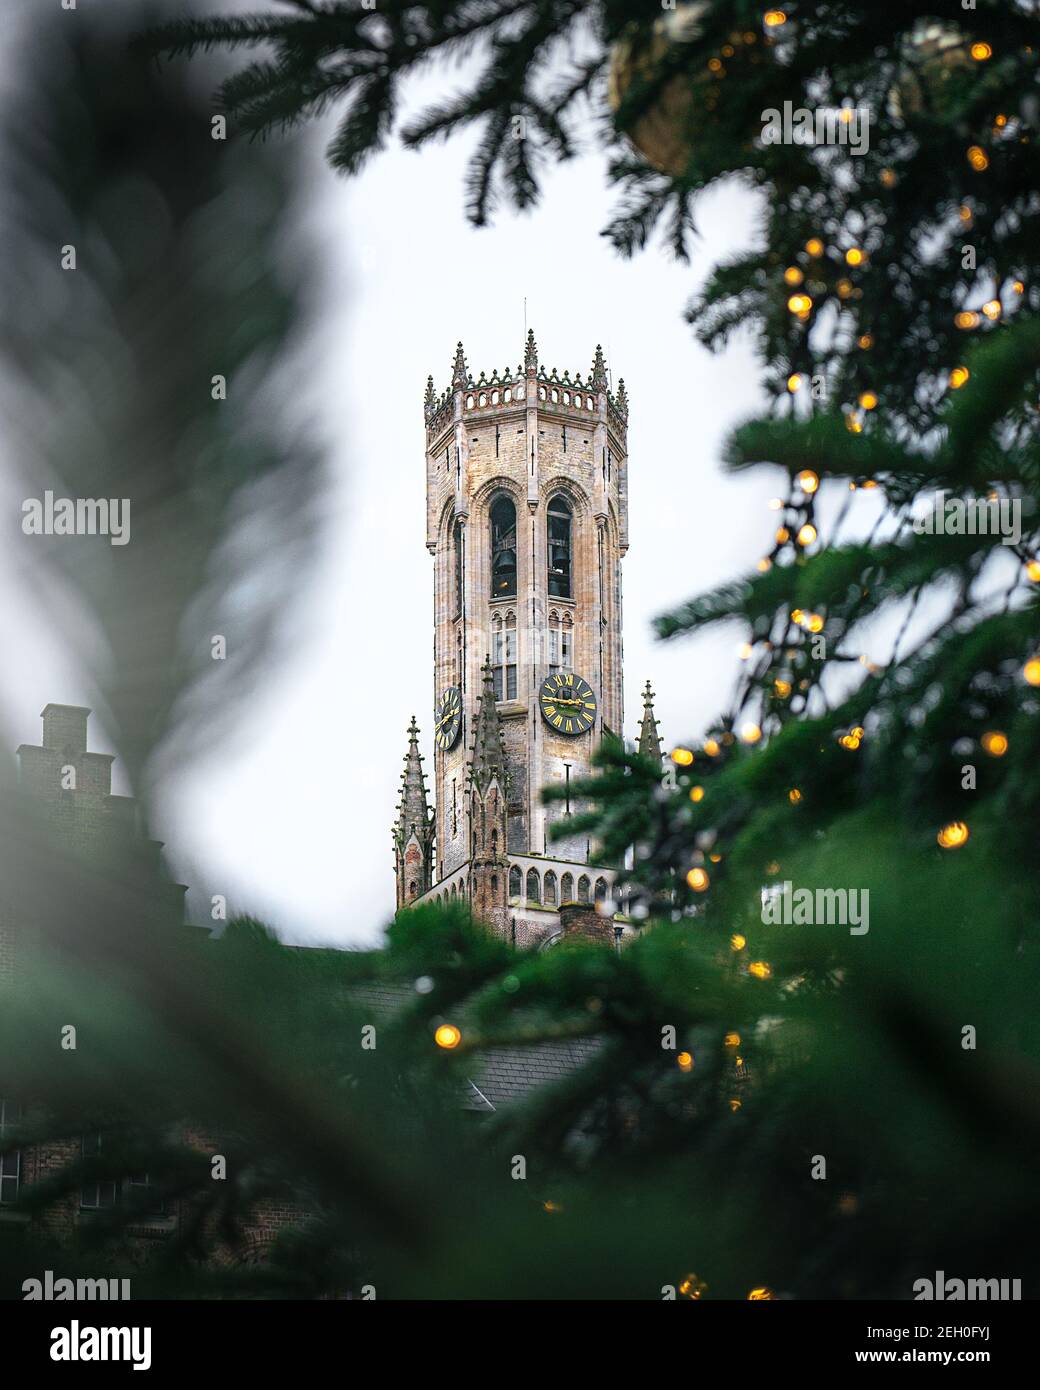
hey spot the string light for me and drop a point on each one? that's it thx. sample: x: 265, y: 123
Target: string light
x: 750, y: 732
x: 814, y: 246
x: 744, y: 650
x: 775, y: 504
x: 1018, y: 287
x: 794, y: 382
x: 682, y: 757
x: 783, y: 535
x: 952, y: 836
x: 696, y: 793
x: 737, y: 942
x: 774, y: 18
x: 808, y: 481
x: 844, y: 288
x: 865, y: 341
x: 760, y: 1294
x: 794, y: 796
x: 854, y: 256
x: 1033, y: 571
x: 814, y: 622
x: 807, y: 534
x: 978, y: 158
x: 684, y: 1061
x: 735, y: 1103
x: 1031, y: 670
x: 711, y: 747
x: 447, y: 1036
x: 692, y: 1287
x: 888, y: 178
x: 764, y: 564
x: 967, y: 318
x: 698, y: 880
x: 782, y: 687
x: 992, y: 308
x: 995, y: 743
x: 793, y: 275
x: 981, y: 51
x: 732, y: 1040
x: 958, y: 377
x: 760, y: 969
x: 868, y: 400
x: 799, y: 304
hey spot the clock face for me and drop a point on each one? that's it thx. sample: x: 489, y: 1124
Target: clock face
x: 448, y: 719
x: 568, y: 703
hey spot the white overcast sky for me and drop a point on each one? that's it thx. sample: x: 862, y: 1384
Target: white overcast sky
x: 296, y: 828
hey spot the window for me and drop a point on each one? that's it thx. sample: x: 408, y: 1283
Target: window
x: 503, y: 549
x: 583, y: 889
x: 550, y: 889
x: 516, y: 882
x: 503, y: 655
x: 10, y: 1163
x: 97, y: 1194
x: 567, y: 888
x: 534, y: 893
x: 136, y: 1187
x: 559, y: 529
x: 458, y: 568
x: 561, y: 642
x: 601, y: 890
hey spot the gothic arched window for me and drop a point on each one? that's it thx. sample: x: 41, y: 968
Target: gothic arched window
x: 559, y: 538
x: 503, y: 659
x: 550, y: 889
x: 458, y: 568
x: 503, y: 548
x: 601, y: 890
x: 583, y: 889
x: 567, y: 888
x: 534, y: 892
x: 516, y: 882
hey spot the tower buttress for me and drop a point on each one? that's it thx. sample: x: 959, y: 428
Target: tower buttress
x: 414, y: 830
x: 489, y: 864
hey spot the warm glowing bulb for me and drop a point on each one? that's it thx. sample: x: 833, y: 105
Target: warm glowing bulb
x: 854, y: 256
x: 865, y: 341
x: 793, y: 275
x: 760, y: 969
x: 844, y: 288
x: 958, y: 377
x: 774, y: 18
x: 978, y: 158
x: 782, y: 688
x: 889, y: 178
x: 952, y: 836
x: 734, y: 1104
x: 696, y: 793
x: 868, y: 400
x: 1018, y: 287
x: 732, y: 1040
x: 682, y: 757
x: 814, y: 622
x: 744, y: 650
x: 1033, y: 571
x: 684, y: 1061
x: 737, y: 942
x: 981, y: 51
x: 1031, y: 670
x: 794, y: 796
x: 794, y: 382
x: 967, y: 318
x: 807, y: 534
x: 992, y: 308
x: 692, y: 1287
x: 750, y: 733
x: 783, y: 535
x: 711, y: 747
x: 799, y: 303
x: 808, y: 481
x: 447, y: 1036
x: 698, y: 880
x: 762, y: 1292
x: 797, y: 616
x: 995, y: 743
x: 764, y: 565
x: 814, y: 246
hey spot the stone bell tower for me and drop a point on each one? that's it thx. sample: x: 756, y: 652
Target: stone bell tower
x: 527, y: 522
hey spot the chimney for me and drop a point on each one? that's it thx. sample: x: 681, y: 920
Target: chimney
x: 65, y: 728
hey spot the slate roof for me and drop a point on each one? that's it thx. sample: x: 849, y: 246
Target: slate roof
x: 500, y: 1076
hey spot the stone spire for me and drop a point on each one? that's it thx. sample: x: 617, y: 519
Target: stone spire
x: 649, y: 738
x: 413, y: 832
x: 621, y: 400
x: 531, y: 353
x: 599, y: 371
x: 429, y: 400
x: 488, y: 760
x: 460, y: 372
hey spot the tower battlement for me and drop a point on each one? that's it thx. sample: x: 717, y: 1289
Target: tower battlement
x: 560, y: 394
